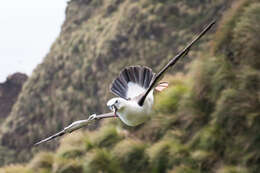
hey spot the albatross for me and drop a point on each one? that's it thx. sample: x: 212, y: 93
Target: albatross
x: 134, y: 88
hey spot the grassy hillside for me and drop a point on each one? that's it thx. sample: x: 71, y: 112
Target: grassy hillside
x: 207, y: 121
x: 98, y: 39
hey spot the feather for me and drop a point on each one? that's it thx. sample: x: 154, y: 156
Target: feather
x: 132, y: 81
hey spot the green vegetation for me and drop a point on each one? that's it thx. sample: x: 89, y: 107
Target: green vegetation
x: 131, y: 152
x: 208, y: 121
x: 98, y: 39
x: 107, y: 136
x: 170, y: 99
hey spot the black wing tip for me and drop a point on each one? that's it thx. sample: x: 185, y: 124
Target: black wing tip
x: 38, y: 143
x: 49, y: 138
x: 213, y: 22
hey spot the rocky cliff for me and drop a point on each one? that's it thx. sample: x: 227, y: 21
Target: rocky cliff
x: 9, y: 91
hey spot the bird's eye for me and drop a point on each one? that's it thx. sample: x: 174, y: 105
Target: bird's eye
x: 116, y: 101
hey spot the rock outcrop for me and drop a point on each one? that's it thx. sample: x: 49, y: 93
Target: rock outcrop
x: 9, y: 91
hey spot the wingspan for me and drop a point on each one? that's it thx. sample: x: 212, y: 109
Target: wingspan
x: 173, y: 61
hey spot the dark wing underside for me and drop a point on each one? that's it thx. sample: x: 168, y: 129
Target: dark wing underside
x: 134, y: 78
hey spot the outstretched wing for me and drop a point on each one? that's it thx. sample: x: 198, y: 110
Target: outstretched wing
x: 77, y: 125
x: 61, y: 133
x: 173, y: 61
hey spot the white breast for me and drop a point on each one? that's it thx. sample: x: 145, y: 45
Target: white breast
x: 133, y: 114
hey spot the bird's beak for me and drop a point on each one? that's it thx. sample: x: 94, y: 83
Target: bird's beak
x: 114, y: 108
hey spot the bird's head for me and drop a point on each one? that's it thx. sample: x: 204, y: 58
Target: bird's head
x: 116, y: 104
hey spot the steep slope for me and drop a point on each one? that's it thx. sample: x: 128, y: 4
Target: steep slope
x: 208, y: 121
x: 9, y: 91
x: 98, y: 39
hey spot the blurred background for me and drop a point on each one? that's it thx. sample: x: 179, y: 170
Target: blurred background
x: 59, y: 58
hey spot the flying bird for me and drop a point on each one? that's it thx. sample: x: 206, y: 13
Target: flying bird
x: 134, y: 88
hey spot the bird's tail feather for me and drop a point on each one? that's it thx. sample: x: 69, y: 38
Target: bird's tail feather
x: 139, y: 75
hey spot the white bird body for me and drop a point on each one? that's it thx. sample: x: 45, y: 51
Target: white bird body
x: 133, y: 114
x: 129, y: 111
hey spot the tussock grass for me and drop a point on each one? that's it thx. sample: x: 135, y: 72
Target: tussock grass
x: 232, y: 169
x: 131, y: 155
x: 165, y: 154
x: 74, y: 145
x: 62, y: 165
x: 156, y: 128
x: 237, y: 36
x: 107, y: 137
x: 184, y: 169
x: 246, y: 36
x: 70, y: 152
x: 202, y: 155
x: 100, y: 160
x: 15, y: 169
x: 223, y: 36
x: 42, y: 161
x: 75, y: 139
x: 168, y: 101
x: 208, y: 138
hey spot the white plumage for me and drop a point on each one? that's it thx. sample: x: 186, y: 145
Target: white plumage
x: 134, y: 90
x: 133, y: 114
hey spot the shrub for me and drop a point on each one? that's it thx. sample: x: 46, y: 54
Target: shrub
x: 246, y: 39
x: 70, y: 152
x: 106, y: 136
x: 204, y: 159
x: 15, y: 169
x: 100, y: 160
x: 166, y: 154
x: 232, y: 169
x: 168, y: 101
x: 223, y: 37
x: 184, y: 169
x: 62, y: 165
x: 131, y: 155
x: 42, y: 160
x: 75, y: 139
x: 209, y: 138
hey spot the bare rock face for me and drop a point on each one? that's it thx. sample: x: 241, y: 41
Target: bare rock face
x: 9, y: 91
